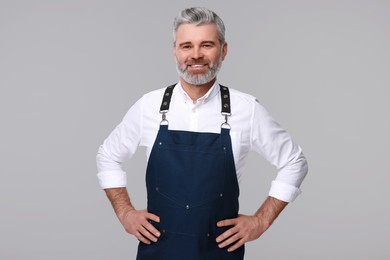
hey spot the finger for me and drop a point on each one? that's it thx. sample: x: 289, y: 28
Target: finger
x: 231, y: 240
x: 153, y: 217
x: 141, y: 238
x: 152, y: 229
x: 228, y: 233
x: 236, y: 245
x: 227, y: 222
x: 146, y: 233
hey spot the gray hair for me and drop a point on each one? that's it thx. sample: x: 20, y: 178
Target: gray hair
x: 199, y: 16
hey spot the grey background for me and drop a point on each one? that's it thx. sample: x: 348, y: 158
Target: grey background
x: 69, y: 71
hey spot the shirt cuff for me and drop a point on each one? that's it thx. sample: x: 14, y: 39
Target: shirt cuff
x: 284, y: 192
x: 112, y: 179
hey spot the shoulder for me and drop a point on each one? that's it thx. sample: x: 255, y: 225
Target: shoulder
x: 242, y: 101
x: 154, y: 95
x: 246, y: 103
x: 149, y: 103
x: 157, y: 95
x: 241, y: 96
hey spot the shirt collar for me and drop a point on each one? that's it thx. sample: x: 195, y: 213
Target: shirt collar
x: 211, y: 93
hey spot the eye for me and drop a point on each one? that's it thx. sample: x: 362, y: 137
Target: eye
x: 207, y: 45
x: 186, y: 46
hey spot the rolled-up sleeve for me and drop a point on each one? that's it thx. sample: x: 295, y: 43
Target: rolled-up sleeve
x: 119, y: 146
x: 271, y: 141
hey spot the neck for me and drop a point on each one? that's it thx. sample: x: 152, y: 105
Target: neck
x: 196, y: 91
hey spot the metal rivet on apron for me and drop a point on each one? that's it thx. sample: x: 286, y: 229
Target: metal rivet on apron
x: 163, y: 230
x: 156, y: 188
x: 160, y: 143
x: 221, y: 194
x: 225, y: 96
x: 167, y: 94
x: 187, y: 206
x: 165, y: 103
x: 208, y: 234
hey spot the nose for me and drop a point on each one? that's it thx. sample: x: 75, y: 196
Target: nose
x: 197, y: 53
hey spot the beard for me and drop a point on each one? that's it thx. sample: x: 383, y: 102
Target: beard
x: 198, y: 79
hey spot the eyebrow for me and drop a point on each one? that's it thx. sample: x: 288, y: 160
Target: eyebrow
x: 188, y: 42
x: 184, y: 43
x: 209, y: 42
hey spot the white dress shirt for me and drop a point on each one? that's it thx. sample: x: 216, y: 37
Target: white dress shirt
x: 252, y: 129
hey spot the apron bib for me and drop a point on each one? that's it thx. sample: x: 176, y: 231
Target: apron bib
x: 191, y: 184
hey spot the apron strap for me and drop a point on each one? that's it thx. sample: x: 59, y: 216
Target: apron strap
x: 166, y: 99
x: 164, y: 108
x: 225, y: 98
x: 225, y: 104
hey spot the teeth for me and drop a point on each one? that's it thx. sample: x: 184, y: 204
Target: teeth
x: 197, y: 65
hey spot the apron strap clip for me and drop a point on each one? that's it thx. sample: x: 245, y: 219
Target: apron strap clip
x: 164, y: 120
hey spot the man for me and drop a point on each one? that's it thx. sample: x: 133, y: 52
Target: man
x: 197, y: 135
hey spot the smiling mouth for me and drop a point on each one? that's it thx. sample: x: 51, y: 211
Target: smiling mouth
x: 196, y: 66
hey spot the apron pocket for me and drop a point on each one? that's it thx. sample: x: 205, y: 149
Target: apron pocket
x: 190, y: 178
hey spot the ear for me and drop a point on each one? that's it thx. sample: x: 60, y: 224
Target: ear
x: 224, y: 50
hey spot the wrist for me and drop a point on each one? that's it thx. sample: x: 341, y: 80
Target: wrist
x: 264, y: 222
x: 124, y: 213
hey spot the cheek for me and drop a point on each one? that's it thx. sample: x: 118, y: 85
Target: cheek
x: 179, y: 58
x: 179, y: 63
x: 215, y: 59
x: 214, y: 56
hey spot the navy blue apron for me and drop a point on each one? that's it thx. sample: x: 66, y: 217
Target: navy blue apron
x: 191, y: 185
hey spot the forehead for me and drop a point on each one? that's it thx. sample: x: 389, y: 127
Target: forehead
x: 196, y: 33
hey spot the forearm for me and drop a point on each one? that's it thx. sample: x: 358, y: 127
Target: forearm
x: 269, y: 211
x: 120, y: 201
